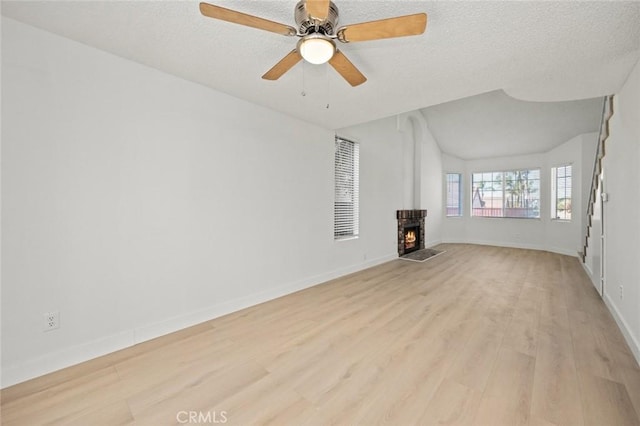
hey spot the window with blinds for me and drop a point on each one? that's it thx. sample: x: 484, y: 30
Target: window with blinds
x: 346, y: 203
x: 561, y: 192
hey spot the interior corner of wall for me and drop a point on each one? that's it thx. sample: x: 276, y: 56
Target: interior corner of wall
x: 401, y: 121
x: 404, y: 119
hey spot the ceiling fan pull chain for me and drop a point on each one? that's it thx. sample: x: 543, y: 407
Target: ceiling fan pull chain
x: 326, y: 73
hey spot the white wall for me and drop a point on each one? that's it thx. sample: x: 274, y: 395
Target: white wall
x: 137, y: 203
x: 567, y: 236
x: 407, y: 133
x: 541, y: 234
x: 432, y: 179
x: 621, y: 218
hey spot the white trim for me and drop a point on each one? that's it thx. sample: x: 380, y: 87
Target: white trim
x: 39, y: 366
x: 554, y: 192
x: 432, y: 243
x: 349, y: 238
x: 515, y: 245
x: 346, y: 213
x: 519, y: 169
x: 35, y: 367
x: 588, y: 270
x: 445, y: 186
x: 634, y: 345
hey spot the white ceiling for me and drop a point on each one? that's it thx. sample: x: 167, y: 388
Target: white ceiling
x: 542, y: 51
x: 496, y: 125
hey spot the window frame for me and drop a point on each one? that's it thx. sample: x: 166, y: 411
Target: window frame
x: 553, y: 213
x: 503, y: 190
x: 346, y: 219
x: 460, y: 195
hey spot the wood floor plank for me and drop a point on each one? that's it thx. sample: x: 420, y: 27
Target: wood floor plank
x: 553, y: 311
x: 507, y: 398
x: 202, y: 395
x: 478, y: 335
x: 556, y: 395
x: 452, y: 404
x: 66, y: 400
x: 606, y: 402
x: 591, y: 352
x: 117, y: 413
x: 537, y: 421
x: 522, y: 333
x: 265, y: 401
x: 632, y: 384
x: 474, y: 363
x: 413, y: 374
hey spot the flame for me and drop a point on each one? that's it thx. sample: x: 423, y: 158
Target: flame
x: 410, y: 237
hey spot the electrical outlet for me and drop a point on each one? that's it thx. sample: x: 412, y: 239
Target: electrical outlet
x: 51, y: 321
x: 621, y: 293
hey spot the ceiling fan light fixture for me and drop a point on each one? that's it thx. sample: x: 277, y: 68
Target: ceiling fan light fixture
x: 316, y: 48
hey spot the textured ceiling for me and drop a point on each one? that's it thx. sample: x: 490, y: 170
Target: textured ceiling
x: 496, y: 125
x: 542, y: 51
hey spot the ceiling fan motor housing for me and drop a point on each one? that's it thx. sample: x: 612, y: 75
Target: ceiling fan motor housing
x: 308, y: 24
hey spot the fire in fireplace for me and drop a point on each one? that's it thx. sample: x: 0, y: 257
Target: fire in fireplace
x: 411, y: 230
x: 411, y: 239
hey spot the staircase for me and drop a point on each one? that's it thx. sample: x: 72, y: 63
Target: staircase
x: 607, y: 112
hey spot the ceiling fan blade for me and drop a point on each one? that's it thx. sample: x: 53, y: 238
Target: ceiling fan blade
x: 346, y: 69
x: 236, y: 17
x: 318, y: 9
x: 400, y: 26
x: 283, y: 66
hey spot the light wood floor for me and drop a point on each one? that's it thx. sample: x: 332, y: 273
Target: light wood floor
x: 476, y: 336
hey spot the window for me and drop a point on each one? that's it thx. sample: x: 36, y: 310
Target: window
x: 561, y: 192
x: 454, y: 194
x: 346, y: 203
x: 513, y: 194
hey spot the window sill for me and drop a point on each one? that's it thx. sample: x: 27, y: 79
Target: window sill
x: 353, y: 237
x: 509, y: 218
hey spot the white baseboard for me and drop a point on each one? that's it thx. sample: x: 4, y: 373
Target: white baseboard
x: 594, y: 280
x: 35, y: 367
x: 624, y: 327
x: 566, y: 252
x: 152, y: 331
x: 622, y: 324
x: 433, y: 243
x: 515, y: 245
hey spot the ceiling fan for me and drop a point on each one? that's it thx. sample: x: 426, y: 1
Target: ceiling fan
x: 317, y: 29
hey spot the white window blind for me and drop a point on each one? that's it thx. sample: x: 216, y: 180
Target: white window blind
x: 346, y: 203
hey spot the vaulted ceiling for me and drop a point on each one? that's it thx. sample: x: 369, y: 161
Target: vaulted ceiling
x: 534, y: 51
x: 494, y: 124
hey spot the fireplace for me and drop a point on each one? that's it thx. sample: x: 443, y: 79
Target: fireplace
x: 411, y: 230
x: 411, y: 238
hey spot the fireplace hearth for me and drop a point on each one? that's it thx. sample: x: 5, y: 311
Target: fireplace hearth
x: 411, y: 230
